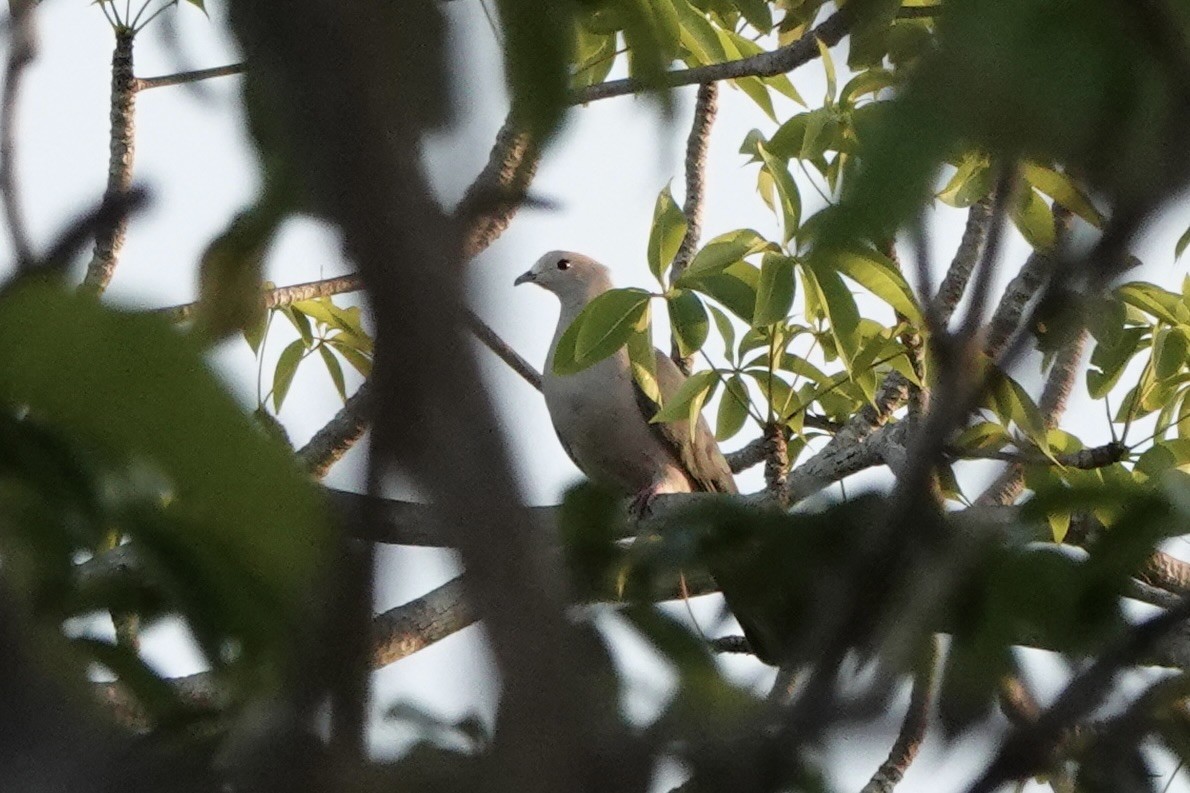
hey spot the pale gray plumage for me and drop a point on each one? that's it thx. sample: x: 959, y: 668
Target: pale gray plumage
x: 602, y: 417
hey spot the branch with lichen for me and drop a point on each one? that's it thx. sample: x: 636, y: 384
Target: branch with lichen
x: 110, y: 238
x: 705, y: 108
x: 339, y: 434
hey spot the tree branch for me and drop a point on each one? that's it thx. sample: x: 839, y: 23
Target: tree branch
x: 498, y: 190
x: 705, y: 108
x: 282, y: 295
x: 975, y: 237
x: 110, y: 239
x: 337, y: 437
x: 145, y: 83
x: 913, y: 727
x: 504, y: 352
x: 22, y: 48
x: 1027, y: 749
x: 765, y: 64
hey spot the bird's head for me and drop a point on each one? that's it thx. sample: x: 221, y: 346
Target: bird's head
x: 573, y: 277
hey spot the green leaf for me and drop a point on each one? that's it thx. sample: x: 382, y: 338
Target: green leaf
x: 721, y: 252
x: 1034, y: 219
x: 1163, y: 456
x: 1171, y: 351
x: 756, y: 89
x: 693, y: 391
x: 726, y: 332
x: 758, y: 13
x: 359, y: 361
x: 698, y: 36
x: 780, y: 397
x: 971, y: 182
x: 1062, y: 189
x: 669, y: 227
x: 774, y: 291
x: 607, y: 322
x: 642, y: 357
x: 1011, y: 402
x: 734, y: 286
x: 287, y: 365
x: 334, y: 370
x: 879, y: 275
x: 869, y: 81
x: 983, y: 436
x: 1110, y: 361
x: 1152, y: 300
x: 254, y: 332
x: 733, y: 409
x: 828, y: 66
x: 791, y: 200
x: 687, y: 320
x: 246, y: 528
x: 300, y: 322
x: 1183, y: 241
x: 787, y: 141
x: 838, y: 304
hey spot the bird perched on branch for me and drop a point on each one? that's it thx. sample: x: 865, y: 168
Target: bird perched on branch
x: 602, y: 417
x: 601, y: 414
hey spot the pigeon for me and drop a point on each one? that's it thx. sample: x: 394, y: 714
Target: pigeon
x: 601, y: 415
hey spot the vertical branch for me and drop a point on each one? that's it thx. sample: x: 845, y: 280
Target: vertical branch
x: 975, y: 237
x: 705, y: 108
x: 1060, y: 380
x: 109, y: 239
x: 776, y: 462
x: 22, y: 47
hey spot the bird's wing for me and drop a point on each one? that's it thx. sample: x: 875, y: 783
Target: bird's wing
x: 697, y: 451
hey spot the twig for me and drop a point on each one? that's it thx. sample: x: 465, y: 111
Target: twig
x: 337, y: 437
x: 505, y: 353
x: 765, y: 64
x: 22, y: 48
x: 145, y: 83
x: 913, y: 727
x: 109, y: 240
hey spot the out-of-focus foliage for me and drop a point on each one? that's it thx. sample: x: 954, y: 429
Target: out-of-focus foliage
x: 113, y: 428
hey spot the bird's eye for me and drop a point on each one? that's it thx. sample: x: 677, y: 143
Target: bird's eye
x: 563, y: 264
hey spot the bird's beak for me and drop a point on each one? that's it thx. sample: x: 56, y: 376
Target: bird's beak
x: 525, y: 278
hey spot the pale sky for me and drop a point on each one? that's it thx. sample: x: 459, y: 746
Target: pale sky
x: 603, y: 174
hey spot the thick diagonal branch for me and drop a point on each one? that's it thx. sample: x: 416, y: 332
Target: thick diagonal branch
x: 337, y: 437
